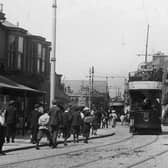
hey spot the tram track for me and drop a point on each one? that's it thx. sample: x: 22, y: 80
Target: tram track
x: 65, y: 153
x: 116, y: 155
x: 147, y: 159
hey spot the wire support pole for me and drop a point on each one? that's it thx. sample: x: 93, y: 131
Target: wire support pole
x: 53, y: 54
x: 90, y: 76
x: 146, y: 50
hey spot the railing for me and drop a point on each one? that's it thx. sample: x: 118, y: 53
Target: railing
x: 146, y: 75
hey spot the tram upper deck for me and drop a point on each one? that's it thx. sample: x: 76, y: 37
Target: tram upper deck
x: 146, y: 75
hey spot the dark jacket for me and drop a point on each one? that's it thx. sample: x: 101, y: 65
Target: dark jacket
x: 55, y: 116
x: 35, y: 114
x: 10, y: 115
x: 76, y: 118
x: 66, y: 118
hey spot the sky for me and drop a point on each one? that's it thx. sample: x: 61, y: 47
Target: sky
x: 106, y: 34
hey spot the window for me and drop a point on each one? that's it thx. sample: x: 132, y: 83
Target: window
x: 43, y: 60
x: 39, y: 54
x: 12, y: 51
x: 20, y: 52
x: 15, y: 52
x: 32, y: 64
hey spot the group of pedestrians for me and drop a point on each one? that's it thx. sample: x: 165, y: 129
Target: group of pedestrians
x: 56, y: 121
x: 69, y: 120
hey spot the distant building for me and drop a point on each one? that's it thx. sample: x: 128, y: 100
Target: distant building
x: 78, y: 91
x: 160, y: 60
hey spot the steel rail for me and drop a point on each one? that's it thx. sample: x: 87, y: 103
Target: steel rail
x: 64, y: 153
x: 115, y: 155
x: 147, y: 159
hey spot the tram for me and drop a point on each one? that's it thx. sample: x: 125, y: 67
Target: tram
x: 145, y: 93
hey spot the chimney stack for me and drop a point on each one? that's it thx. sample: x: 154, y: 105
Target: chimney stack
x: 1, y: 8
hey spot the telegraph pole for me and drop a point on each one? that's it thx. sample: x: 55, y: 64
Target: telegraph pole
x: 146, y: 51
x: 92, y: 85
x: 53, y: 55
x: 106, y: 85
x: 90, y: 76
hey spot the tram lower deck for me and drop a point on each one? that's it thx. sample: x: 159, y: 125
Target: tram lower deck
x: 145, y: 114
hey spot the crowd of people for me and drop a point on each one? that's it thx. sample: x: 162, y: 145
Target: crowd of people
x: 55, y: 122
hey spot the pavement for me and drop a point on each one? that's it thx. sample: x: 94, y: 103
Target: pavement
x: 24, y: 142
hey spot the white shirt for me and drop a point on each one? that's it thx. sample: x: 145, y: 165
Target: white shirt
x: 43, y: 121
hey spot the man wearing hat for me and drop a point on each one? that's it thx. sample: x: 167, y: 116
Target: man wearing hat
x: 11, y: 121
x: 87, y: 123
x: 55, y: 121
x: 35, y: 114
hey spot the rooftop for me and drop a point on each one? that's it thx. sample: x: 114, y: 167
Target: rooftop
x: 76, y: 85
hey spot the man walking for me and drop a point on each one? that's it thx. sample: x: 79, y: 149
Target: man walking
x: 55, y: 121
x: 67, y: 119
x: 11, y: 121
x: 35, y: 114
x: 88, y: 119
x: 43, y: 129
x: 76, y: 122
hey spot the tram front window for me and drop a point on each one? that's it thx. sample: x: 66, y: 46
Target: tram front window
x: 140, y: 104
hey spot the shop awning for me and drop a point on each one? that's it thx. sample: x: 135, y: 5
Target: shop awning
x: 10, y: 84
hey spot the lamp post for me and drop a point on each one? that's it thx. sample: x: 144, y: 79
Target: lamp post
x: 90, y: 83
x: 53, y: 55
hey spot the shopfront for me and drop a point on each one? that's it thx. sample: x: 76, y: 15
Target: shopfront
x: 25, y: 98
